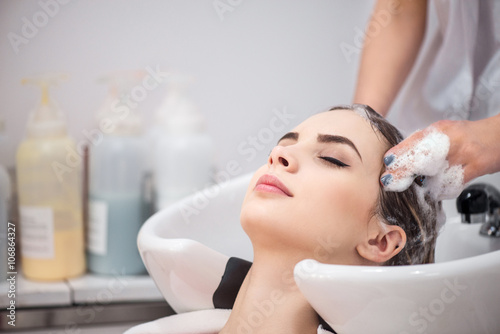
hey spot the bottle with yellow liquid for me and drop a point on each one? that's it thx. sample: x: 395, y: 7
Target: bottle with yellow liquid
x: 49, y: 189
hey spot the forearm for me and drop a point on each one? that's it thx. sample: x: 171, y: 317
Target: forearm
x: 388, y: 55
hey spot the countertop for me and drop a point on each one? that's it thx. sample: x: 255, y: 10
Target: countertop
x: 86, y: 300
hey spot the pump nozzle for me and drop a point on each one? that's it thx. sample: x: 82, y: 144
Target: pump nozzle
x: 45, y: 81
x: 47, y: 118
x: 120, y: 107
x: 178, y: 114
x: 121, y: 83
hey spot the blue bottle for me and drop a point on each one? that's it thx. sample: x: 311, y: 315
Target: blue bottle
x: 116, y: 172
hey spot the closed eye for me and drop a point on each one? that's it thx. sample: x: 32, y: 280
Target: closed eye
x: 334, y: 161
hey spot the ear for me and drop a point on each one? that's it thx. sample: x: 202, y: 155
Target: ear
x: 382, y: 242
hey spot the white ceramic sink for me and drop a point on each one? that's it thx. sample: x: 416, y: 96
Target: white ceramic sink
x: 459, y: 241
x: 458, y: 296
x: 185, y: 248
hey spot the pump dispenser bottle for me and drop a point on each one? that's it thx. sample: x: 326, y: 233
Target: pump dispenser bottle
x: 6, y: 245
x: 184, y: 151
x: 5, y: 228
x: 49, y: 189
x: 117, y: 169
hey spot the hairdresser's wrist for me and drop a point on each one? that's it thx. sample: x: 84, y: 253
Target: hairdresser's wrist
x: 485, y: 139
x: 475, y: 145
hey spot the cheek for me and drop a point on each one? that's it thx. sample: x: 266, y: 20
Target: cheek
x: 341, y: 194
x: 337, y: 220
x: 344, y: 207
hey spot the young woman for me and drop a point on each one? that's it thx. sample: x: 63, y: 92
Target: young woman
x: 322, y: 179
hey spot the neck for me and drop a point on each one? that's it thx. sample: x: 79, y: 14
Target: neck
x: 269, y: 301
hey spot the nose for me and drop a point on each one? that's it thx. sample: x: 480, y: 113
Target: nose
x: 281, y: 157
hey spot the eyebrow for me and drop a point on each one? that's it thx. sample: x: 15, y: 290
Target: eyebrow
x: 290, y: 135
x: 340, y: 140
x: 324, y: 138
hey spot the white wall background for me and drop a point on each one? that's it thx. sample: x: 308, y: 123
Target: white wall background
x: 259, y: 56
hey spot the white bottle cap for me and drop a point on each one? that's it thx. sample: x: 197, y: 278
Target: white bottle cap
x: 177, y: 114
x: 119, y: 110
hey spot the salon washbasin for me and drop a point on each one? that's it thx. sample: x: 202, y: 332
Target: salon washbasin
x: 185, y: 248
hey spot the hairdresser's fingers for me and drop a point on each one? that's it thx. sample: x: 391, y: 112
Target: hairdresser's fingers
x: 404, y: 147
x: 399, y: 175
x: 397, y: 181
x: 462, y: 137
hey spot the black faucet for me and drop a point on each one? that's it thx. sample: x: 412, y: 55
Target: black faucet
x: 480, y: 203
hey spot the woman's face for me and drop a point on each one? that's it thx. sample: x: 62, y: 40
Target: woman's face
x: 317, y: 192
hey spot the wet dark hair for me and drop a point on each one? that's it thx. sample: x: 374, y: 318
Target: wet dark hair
x: 413, y: 210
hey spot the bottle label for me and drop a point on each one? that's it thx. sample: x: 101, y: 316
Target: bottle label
x: 97, y: 239
x: 37, y: 232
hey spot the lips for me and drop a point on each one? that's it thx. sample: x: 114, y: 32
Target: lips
x: 271, y: 184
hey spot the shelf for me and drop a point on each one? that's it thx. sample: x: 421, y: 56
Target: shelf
x: 87, y: 300
x: 111, y: 289
x: 33, y: 294
x: 73, y: 318
x: 83, y: 290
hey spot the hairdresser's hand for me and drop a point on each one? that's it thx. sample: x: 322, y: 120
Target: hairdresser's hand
x: 474, y: 147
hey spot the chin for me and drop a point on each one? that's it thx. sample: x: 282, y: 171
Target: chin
x: 260, y: 224
x: 253, y: 215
